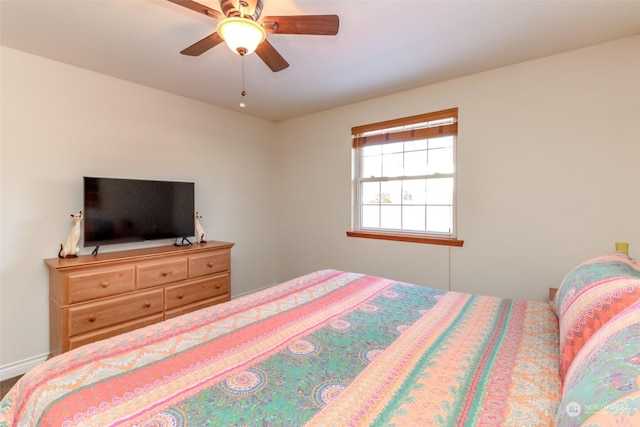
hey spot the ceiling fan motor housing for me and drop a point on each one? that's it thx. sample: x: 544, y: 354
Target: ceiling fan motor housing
x: 247, y: 8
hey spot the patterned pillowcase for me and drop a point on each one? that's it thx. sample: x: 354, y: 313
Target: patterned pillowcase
x: 602, y: 386
x: 590, y: 296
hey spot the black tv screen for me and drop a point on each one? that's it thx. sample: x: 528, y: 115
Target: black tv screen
x: 131, y: 210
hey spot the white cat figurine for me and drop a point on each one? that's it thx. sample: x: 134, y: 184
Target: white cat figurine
x: 199, y: 229
x: 70, y: 248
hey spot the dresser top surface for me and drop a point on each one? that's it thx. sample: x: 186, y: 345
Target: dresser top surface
x: 135, y: 254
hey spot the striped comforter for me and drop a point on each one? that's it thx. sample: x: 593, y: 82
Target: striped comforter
x: 329, y: 348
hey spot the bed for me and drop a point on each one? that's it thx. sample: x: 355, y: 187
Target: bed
x: 335, y: 348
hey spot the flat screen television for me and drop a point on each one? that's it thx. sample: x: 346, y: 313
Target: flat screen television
x: 133, y: 210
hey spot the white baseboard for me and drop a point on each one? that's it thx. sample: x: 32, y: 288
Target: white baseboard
x: 18, y: 368
x: 251, y: 291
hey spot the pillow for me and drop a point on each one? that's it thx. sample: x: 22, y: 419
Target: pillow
x: 602, y: 386
x: 601, y: 267
x: 590, y: 296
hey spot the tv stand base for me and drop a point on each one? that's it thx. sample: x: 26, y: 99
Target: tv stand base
x: 183, y: 242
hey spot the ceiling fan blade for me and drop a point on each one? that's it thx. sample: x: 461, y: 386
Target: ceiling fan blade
x: 200, y: 8
x: 200, y: 47
x: 323, y: 25
x: 271, y: 56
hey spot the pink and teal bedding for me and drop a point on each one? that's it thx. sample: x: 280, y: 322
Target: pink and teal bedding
x: 602, y: 386
x: 330, y: 348
x: 589, y: 296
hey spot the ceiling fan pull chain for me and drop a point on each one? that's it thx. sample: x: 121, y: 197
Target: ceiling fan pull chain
x: 243, y: 93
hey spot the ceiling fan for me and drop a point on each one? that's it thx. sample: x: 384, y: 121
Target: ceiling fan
x: 238, y: 26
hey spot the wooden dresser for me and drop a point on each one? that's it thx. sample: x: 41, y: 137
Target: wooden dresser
x: 95, y: 297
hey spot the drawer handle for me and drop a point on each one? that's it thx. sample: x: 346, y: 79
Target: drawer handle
x: 210, y: 264
x: 92, y: 318
x: 147, y: 304
x: 104, y: 284
x: 164, y: 273
x: 180, y: 296
x: 218, y: 286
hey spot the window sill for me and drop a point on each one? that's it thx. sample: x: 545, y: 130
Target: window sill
x: 405, y: 238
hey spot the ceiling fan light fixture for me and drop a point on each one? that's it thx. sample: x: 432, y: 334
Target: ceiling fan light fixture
x: 242, y: 35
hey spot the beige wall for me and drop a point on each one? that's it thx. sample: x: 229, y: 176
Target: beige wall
x: 60, y: 123
x: 548, y: 176
x: 548, y: 155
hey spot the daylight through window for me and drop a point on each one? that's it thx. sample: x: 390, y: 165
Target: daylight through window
x: 404, y: 176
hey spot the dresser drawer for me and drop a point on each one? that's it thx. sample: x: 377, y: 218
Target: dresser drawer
x: 94, y: 284
x: 156, y: 273
x: 211, y: 262
x: 92, y: 316
x: 111, y: 331
x: 183, y: 294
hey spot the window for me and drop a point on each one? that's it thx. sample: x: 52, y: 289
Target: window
x: 404, y: 179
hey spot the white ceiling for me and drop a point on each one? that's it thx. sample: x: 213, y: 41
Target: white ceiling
x: 382, y: 47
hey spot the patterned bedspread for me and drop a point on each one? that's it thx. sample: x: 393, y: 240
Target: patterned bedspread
x: 330, y: 348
